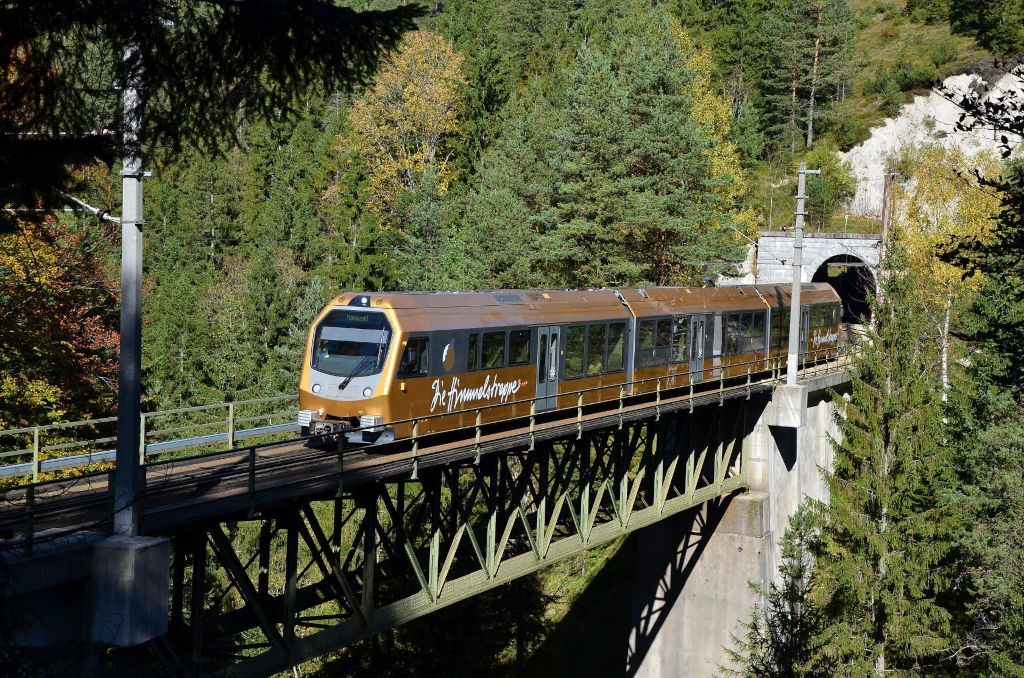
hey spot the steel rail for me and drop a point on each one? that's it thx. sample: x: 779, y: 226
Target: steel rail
x: 237, y: 479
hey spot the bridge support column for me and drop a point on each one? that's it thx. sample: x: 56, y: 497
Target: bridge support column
x: 702, y: 586
x: 691, y: 587
x: 128, y: 590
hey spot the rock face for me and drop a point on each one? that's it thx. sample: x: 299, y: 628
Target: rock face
x: 927, y: 119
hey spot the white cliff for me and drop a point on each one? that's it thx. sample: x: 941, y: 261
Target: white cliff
x: 927, y: 119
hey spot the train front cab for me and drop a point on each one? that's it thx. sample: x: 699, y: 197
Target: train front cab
x: 350, y: 351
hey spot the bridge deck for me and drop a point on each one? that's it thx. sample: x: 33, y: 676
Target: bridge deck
x: 216, y: 486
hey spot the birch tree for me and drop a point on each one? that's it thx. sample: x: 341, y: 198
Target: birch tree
x: 940, y: 201
x: 408, y: 120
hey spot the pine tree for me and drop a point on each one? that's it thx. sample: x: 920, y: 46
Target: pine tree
x: 507, y: 206
x: 997, y: 24
x: 641, y: 185
x: 834, y: 187
x: 201, y: 64
x: 282, y: 376
x: 990, y: 502
x: 584, y: 246
x: 805, y: 60
x: 176, y: 341
x: 990, y: 440
x: 433, y: 256
x: 885, y: 531
x: 779, y: 639
x: 357, y: 252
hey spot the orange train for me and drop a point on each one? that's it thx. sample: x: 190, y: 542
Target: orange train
x: 376, y: 361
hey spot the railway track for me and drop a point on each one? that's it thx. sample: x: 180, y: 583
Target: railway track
x: 233, y: 483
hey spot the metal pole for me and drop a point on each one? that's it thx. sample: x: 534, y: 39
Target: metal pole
x: 798, y: 250
x: 129, y: 392
x: 35, y: 454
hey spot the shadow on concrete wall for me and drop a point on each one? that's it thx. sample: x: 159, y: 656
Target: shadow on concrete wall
x: 670, y: 551
x: 613, y: 624
x: 785, y: 440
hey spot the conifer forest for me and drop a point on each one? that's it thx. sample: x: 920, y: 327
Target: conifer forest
x: 491, y: 144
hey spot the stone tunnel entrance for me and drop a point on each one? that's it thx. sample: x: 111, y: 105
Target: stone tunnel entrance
x: 853, y: 280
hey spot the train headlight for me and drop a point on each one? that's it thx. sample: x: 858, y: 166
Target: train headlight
x: 367, y: 392
x: 316, y: 388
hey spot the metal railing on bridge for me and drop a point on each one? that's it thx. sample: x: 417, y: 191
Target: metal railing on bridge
x: 39, y: 449
x: 31, y: 508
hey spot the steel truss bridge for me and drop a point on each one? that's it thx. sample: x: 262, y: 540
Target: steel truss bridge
x: 315, y: 548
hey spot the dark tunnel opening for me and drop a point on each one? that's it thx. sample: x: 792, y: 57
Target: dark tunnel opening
x: 853, y: 280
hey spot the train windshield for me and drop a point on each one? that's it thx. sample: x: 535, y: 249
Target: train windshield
x: 351, y: 343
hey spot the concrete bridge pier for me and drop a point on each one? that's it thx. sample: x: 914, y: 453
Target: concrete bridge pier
x: 691, y: 583
x: 76, y: 594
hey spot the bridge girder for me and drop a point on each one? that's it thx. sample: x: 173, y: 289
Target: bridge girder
x: 297, y: 580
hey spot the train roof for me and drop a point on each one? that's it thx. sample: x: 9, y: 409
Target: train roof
x: 654, y: 301
x: 425, y: 311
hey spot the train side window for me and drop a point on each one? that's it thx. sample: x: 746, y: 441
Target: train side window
x: 494, y: 350
x: 645, y: 334
x: 754, y: 332
x: 542, y: 358
x: 664, y: 333
x: 616, y: 346
x: 415, y: 361
x: 518, y: 347
x: 574, y: 345
x: 595, y: 349
x: 827, y: 316
x: 473, y: 351
x: 680, y: 340
x: 733, y: 332
x: 757, y: 329
x: 780, y: 328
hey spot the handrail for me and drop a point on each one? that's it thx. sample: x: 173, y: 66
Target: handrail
x: 773, y: 365
x: 47, y: 498
x: 148, y: 432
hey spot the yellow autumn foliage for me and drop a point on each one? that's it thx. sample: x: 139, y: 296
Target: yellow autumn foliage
x: 711, y: 112
x: 408, y: 120
x: 942, y: 200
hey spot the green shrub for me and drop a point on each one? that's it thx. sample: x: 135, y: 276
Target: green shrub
x: 892, y: 97
x: 831, y: 189
x: 928, y: 11
x: 841, y: 123
x: 944, y: 51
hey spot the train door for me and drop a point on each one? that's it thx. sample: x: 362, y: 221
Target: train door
x: 548, y: 347
x: 698, y: 324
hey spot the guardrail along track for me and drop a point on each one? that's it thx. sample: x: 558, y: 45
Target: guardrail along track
x: 181, y: 491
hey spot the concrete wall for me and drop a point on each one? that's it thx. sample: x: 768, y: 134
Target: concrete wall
x: 775, y: 247
x: 703, y: 565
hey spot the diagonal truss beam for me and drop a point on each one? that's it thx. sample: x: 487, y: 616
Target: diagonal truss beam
x: 406, y: 548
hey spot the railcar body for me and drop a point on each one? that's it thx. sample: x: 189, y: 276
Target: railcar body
x: 377, y: 361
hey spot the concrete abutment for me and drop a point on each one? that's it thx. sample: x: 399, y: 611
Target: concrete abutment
x: 682, y: 626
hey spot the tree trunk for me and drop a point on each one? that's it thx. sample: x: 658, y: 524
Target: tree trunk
x: 792, y: 112
x: 814, y: 81
x: 945, y: 349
